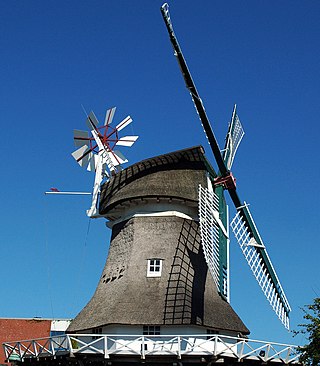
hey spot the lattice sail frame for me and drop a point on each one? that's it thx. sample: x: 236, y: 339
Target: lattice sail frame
x: 210, y: 226
x: 234, y: 137
x: 252, y: 253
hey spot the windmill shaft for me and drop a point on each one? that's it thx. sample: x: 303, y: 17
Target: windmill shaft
x: 194, y: 94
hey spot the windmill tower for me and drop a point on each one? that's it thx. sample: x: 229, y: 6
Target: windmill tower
x: 156, y: 280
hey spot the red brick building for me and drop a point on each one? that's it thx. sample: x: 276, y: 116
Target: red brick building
x: 22, y: 329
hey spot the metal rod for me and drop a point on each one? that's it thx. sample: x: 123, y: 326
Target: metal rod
x: 70, y: 193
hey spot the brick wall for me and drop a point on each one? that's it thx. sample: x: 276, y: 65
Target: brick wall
x: 21, y: 329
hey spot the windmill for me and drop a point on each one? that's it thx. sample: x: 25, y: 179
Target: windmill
x: 163, y: 295
x: 214, y: 233
x: 96, y: 152
x: 168, y: 262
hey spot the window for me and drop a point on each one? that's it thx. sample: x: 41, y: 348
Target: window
x: 96, y: 331
x: 154, y: 267
x: 212, y: 332
x: 55, y: 333
x: 151, y: 330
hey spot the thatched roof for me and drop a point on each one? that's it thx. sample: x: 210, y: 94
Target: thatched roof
x: 171, y: 175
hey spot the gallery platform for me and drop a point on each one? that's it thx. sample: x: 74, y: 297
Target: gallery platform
x: 89, y: 349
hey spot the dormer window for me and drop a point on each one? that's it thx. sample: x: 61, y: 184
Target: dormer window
x: 154, y: 267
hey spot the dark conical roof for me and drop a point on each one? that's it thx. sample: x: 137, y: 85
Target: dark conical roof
x: 173, y: 175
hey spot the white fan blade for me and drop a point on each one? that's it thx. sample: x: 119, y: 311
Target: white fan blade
x: 109, y: 116
x: 83, y: 156
x: 80, y: 137
x: 92, y: 121
x: 92, y: 163
x: 127, y: 141
x: 124, y: 123
x: 87, y: 160
x: 79, y: 152
x: 117, y: 158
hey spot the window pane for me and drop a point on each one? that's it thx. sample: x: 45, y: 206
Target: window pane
x: 151, y: 330
x: 154, y: 267
x: 54, y: 333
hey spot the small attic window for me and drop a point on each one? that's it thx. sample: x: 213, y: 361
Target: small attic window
x: 154, y: 267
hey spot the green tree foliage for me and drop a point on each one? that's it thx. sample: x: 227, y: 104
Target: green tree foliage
x: 310, y: 353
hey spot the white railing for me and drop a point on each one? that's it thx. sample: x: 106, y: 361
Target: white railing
x: 143, y: 346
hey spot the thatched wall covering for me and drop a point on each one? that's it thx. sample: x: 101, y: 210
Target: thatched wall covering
x: 185, y: 293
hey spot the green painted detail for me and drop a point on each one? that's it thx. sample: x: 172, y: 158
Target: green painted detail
x: 210, y: 170
x: 14, y: 357
x: 223, y: 241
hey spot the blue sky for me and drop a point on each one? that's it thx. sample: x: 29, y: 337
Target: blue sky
x: 57, y: 56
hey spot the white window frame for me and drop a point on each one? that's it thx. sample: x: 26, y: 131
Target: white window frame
x: 154, y: 268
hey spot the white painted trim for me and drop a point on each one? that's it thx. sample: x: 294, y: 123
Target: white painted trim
x: 239, y: 349
x: 228, y: 256
x: 154, y: 265
x: 110, y: 224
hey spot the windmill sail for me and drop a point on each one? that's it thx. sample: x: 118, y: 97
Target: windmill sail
x: 225, y: 178
x: 260, y: 264
x: 234, y: 137
x: 193, y: 91
x: 210, y: 224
